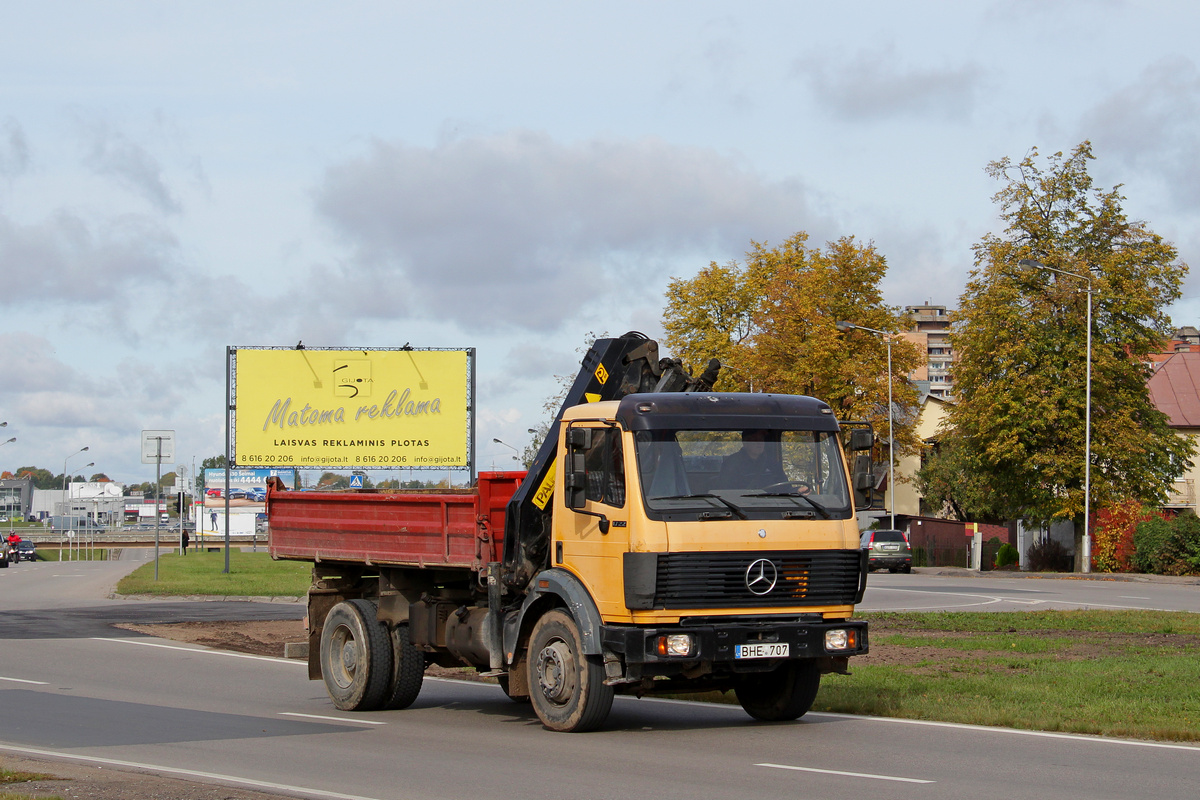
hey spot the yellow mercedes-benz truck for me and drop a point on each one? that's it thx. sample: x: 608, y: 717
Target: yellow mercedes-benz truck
x: 667, y: 539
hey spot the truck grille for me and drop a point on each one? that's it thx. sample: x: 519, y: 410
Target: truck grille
x: 720, y: 580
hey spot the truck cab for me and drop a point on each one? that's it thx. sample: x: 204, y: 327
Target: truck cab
x: 705, y: 542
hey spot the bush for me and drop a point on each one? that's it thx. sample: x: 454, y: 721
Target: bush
x: 1112, y: 535
x: 1168, y: 547
x: 1006, y: 556
x: 1150, y: 541
x: 1047, y: 555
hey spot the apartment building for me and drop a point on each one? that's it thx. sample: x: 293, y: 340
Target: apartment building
x: 930, y: 330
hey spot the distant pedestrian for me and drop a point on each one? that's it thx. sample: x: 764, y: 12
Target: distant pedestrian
x: 186, y: 539
x: 214, y: 521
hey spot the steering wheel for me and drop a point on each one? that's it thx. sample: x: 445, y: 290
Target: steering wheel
x: 801, y: 487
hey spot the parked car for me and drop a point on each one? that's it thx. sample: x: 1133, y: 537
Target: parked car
x: 237, y: 494
x: 213, y: 493
x: 26, y: 551
x: 888, y: 549
x: 258, y: 494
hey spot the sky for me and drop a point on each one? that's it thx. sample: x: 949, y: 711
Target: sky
x: 177, y: 178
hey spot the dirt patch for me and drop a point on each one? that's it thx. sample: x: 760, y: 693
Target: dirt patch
x: 261, y: 638
x: 257, y: 637
x: 85, y: 782
x: 1084, y: 645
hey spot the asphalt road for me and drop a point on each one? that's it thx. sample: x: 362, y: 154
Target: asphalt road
x: 87, y: 692
x: 960, y: 590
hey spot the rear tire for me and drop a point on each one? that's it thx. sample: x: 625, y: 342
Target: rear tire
x: 784, y: 694
x: 566, y: 687
x: 356, y: 657
x: 907, y: 569
x: 408, y: 670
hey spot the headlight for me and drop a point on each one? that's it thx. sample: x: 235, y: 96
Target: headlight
x: 841, y: 639
x: 676, y: 645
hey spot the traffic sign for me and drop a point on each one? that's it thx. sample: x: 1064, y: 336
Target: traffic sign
x: 158, y: 446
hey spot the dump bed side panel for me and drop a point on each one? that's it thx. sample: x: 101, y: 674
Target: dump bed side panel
x: 448, y: 529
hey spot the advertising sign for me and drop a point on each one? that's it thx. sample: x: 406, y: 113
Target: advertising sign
x: 359, y: 409
x: 247, y: 499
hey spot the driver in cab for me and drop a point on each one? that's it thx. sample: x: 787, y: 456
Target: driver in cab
x: 754, y: 466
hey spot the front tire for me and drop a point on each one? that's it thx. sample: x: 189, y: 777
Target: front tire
x: 784, y: 694
x: 356, y: 657
x: 566, y: 687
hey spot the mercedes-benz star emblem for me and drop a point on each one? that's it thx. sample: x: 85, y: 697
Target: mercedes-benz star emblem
x: 761, y: 576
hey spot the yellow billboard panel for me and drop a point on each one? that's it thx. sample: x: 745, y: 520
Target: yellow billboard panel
x: 352, y: 408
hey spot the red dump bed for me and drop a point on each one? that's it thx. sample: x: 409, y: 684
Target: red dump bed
x: 457, y: 528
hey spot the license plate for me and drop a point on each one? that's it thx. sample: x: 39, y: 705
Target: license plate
x: 761, y: 650
x: 891, y: 547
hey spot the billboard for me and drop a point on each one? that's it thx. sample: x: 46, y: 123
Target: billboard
x: 247, y: 499
x: 360, y: 409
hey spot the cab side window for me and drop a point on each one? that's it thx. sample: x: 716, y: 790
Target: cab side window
x: 605, y: 465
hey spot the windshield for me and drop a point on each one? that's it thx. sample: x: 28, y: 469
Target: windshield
x: 749, y: 474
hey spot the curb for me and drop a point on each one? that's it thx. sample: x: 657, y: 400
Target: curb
x: 962, y: 572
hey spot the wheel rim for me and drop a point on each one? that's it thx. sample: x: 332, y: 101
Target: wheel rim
x: 346, y: 656
x: 556, y: 679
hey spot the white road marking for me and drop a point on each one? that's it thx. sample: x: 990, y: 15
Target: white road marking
x: 1130, y: 597
x: 197, y: 650
x: 847, y: 774
x: 190, y: 773
x: 1077, y: 737
x: 20, y: 680
x: 335, y: 719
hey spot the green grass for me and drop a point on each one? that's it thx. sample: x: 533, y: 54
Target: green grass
x: 8, y: 776
x: 1131, y: 674
x: 200, y: 573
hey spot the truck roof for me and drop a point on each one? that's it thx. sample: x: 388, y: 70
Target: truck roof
x: 724, y: 411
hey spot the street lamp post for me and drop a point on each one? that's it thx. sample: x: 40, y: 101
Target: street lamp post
x: 1086, y: 566
x: 887, y: 338
x: 64, y: 489
x: 516, y: 457
x: 7, y: 441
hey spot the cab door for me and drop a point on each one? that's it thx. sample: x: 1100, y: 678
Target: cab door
x: 582, y: 545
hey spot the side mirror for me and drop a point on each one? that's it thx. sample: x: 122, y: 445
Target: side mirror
x: 863, y: 481
x: 575, y: 470
x: 861, y: 439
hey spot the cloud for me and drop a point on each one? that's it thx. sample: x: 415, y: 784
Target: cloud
x: 14, y: 150
x: 67, y: 258
x: 521, y: 231
x: 114, y: 155
x: 874, y: 85
x: 1153, y: 124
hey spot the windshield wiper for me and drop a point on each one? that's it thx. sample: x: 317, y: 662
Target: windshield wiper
x: 735, y: 509
x: 796, y: 495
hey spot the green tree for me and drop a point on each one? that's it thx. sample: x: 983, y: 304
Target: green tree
x: 42, y: 478
x: 1015, y: 436
x: 772, y: 323
x: 713, y: 315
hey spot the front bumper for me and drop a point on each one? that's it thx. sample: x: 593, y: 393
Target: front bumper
x: 715, y: 640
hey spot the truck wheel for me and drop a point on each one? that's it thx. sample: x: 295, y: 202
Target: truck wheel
x: 408, y: 670
x: 566, y: 687
x: 783, y: 694
x: 356, y: 657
